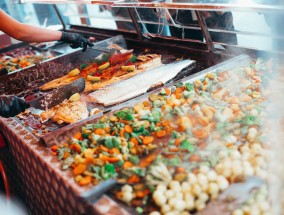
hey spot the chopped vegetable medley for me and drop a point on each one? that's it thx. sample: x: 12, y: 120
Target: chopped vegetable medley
x: 183, y: 146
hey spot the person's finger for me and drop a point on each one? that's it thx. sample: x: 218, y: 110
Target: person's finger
x: 73, y: 46
x: 85, y: 47
x: 90, y: 43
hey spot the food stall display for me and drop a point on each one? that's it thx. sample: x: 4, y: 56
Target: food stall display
x: 104, y: 70
x: 178, y: 150
x: 20, y: 58
x: 158, y: 125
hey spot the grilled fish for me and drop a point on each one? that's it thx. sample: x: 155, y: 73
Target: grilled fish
x: 66, y: 112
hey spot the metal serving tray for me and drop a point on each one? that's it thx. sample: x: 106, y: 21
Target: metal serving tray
x: 27, y: 47
x: 45, y: 132
x: 242, y: 60
x: 63, y: 135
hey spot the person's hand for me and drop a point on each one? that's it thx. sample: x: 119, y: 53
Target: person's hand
x: 11, y: 106
x: 77, y: 40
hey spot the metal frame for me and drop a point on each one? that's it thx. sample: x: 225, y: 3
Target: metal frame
x: 135, y: 23
x: 59, y: 16
x: 198, y: 8
x: 204, y: 29
x: 172, y: 4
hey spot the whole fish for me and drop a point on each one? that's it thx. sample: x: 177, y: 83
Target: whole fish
x: 138, y: 84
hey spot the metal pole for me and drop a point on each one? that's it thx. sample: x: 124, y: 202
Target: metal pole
x: 59, y: 16
x: 205, y: 31
x: 135, y: 23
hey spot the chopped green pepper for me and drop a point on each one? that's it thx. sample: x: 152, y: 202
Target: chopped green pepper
x: 139, y: 210
x: 134, y: 159
x: 133, y: 59
x: 186, y: 144
x: 189, y: 87
x: 83, y: 66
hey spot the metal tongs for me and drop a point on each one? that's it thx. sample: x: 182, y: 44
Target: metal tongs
x: 112, y: 45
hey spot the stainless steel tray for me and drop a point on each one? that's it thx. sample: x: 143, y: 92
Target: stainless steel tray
x: 62, y: 136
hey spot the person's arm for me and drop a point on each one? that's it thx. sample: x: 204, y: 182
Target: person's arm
x: 27, y: 33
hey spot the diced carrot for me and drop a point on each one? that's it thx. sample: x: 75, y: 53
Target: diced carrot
x: 133, y: 179
x: 181, y: 128
x: 109, y: 159
x: 150, y: 158
x: 143, y: 163
x: 78, y: 136
x: 180, y: 170
x: 203, y: 120
x: 128, y: 129
x: 103, y: 157
x: 200, y: 133
x: 119, y: 195
x: 146, y: 103
x: 75, y: 147
x: 158, y: 124
x: 103, y: 148
x: 194, y: 106
x: 89, y: 160
x: 173, y: 149
x: 178, y: 95
x: 161, y: 133
x: 65, y: 144
x: 114, y: 151
x: 229, y: 145
x: 134, y: 140
x: 127, y: 164
x: 168, y: 131
x: 107, y: 129
x: 147, y: 140
x: 99, y: 131
x: 85, y: 180
x: 113, y: 159
x: 147, y: 191
x: 195, y: 158
x: 189, y: 100
x: 178, y: 141
x: 195, y: 171
x: 179, y: 90
x: 65, y: 155
x: 54, y: 153
x: 168, y: 91
x: 193, y: 121
x: 121, y: 133
x: 202, y: 145
x: 124, y: 121
x: 166, y: 123
x: 140, y: 194
x: 79, y: 169
x: 54, y: 148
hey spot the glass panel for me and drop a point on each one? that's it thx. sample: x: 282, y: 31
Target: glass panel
x: 98, y: 16
x: 35, y: 14
x: 219, y: 5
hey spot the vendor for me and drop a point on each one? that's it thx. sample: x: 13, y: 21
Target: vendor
x: 29, y: 33
x: 11, y: 105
